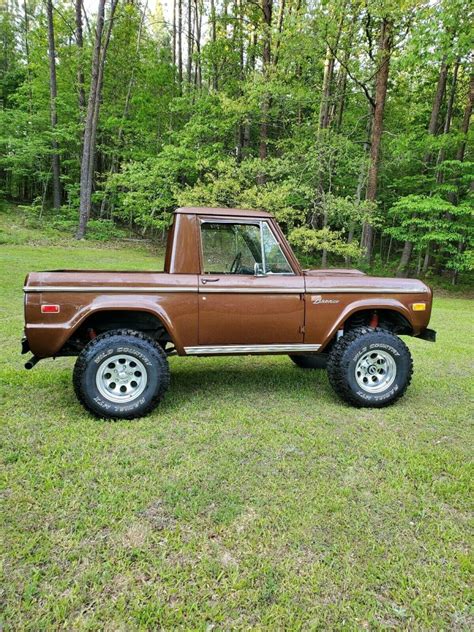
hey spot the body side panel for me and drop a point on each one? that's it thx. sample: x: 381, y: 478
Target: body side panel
x: 182, y: 256
x: 323, y: 319
x: 242, y: 310
x: 173, y: 300
x: 331, y: 298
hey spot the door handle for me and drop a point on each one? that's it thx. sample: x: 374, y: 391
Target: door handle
x: 204, y: 281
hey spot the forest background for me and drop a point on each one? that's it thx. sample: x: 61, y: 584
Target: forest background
x: 349, y: 120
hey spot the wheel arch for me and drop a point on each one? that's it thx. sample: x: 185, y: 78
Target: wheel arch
x: 392, y: 319
x: 390, y: 315
x: 94, y: 321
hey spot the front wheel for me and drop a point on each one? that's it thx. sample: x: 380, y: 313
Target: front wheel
x: 121, y: 374
x: 370, y: 367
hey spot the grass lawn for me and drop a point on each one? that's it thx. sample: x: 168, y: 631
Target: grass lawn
x: 251, y: 498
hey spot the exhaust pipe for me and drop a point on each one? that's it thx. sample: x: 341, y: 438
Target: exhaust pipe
x: 31, y: 362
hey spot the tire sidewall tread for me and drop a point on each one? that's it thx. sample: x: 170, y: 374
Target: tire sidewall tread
x: 133, y: 343
x: 343, y: 358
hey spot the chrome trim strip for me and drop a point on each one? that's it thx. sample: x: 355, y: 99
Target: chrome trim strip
x: 162, y: 290
x: 250, y: 290
x: 321, y: 290
x: 110, y: 288
x: 217, y: 350
x: 220, y: 290
x: 363, y: 290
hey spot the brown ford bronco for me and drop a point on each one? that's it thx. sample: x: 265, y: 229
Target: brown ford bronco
x: 231, y: 285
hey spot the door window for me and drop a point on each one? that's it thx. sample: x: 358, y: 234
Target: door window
x: 275, y: 261
x: 231, y: 248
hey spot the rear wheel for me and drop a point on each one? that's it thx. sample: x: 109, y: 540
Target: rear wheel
x: 370, y: 367
x: 317, y: 361
x: 121, y: 374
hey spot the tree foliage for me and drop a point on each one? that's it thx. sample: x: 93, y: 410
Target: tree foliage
x: 272, y: 104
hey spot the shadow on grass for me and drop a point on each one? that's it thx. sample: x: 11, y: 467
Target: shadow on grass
x: 207, y: 381
x: 214, y: 381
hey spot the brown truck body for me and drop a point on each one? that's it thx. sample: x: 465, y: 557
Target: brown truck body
x: 200, y: 312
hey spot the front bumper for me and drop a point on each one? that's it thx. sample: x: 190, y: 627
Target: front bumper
x: 428, y: 334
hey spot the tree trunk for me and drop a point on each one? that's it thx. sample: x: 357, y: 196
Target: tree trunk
x: 427, y: 260
x: 126, y: 107
x: 267, y: 7
x: 53, y: 112
x: 86, y: 19
x: 27, y: 53
x: 81, y: 94
x: 281, y: 17
x: 385, y: 47
x: 198, y: 22
x: 448, y: 117
x: 342, y: 87
x: 331, y: 52
x: 189, y: 65
x: 362, y: 176
x: 180, y: 44
x: 325, y: 92
x: 85, y: 202
x: 405, y: 259
x: 100, y: 82
x: 239, y: 36
x: 92, y: 116
x: 432, y: 130
x: 324, y: 120
x: 460, y: 152
x: 437, y: 103
x: 213, y: 40
x: 342, y: 78
x: 438, y: 99
x: 174, y: 33
x: 466, y: 120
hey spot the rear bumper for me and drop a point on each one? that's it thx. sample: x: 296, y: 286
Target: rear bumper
x: 428, y: 334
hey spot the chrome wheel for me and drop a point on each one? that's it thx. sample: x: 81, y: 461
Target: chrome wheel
x: 375, y: 371
x: 121, y: 378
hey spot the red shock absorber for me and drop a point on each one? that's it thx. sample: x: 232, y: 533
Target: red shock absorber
x: 374, y: 321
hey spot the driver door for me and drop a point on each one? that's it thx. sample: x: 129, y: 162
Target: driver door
x: 248, y: 292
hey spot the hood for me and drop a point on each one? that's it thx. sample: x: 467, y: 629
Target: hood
x: 356, y: 281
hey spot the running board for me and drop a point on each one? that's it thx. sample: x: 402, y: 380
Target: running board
x: 249, y: 349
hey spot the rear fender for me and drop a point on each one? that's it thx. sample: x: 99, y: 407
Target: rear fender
x: 47, y: 339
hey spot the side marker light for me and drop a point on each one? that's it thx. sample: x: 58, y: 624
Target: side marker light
x: 50, y: 309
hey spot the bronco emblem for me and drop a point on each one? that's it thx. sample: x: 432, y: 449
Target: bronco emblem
x: 317, y: 299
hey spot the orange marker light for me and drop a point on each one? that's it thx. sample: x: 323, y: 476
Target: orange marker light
x: 49, y: 309
x: 418, y: 307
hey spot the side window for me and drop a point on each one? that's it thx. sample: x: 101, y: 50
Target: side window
x: 275, y: 260
x: 230, y: 248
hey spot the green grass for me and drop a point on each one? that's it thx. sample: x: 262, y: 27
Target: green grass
x: 251, y: 498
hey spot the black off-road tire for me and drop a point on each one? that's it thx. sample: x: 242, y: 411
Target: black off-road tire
x: 351, y: 349
x: 317, y: 361
x: 131, y: 344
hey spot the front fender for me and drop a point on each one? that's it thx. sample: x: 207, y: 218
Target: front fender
x: 323, y: 320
